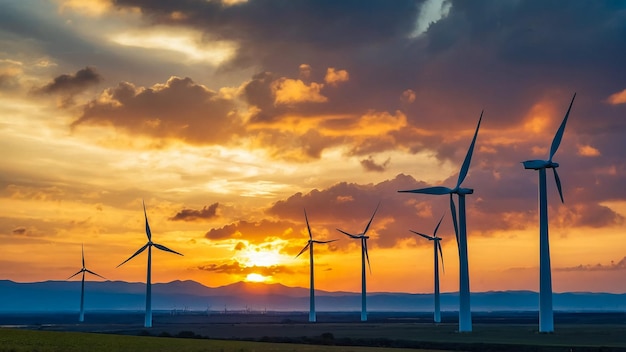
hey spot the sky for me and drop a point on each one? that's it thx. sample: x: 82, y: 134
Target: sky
x: 229, y: 118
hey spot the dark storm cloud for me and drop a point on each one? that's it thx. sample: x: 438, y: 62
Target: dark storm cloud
x: 70, y: 84
x: 180, y: 108
x: 236, y: 268
x: 205, y: 213
x: 493, y: 55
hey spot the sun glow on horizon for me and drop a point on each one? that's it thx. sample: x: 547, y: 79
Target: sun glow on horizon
x: 253, y: 277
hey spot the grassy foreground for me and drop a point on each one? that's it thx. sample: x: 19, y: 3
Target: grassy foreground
x: 12, y: 340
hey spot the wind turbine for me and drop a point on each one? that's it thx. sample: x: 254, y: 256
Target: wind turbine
x: 309, y: 246
x: 149, y: 245
x: 437, y: 249
x: 364, y: 256
x: 84, y: 270
x: 546, y: 316
x: 460, y: 230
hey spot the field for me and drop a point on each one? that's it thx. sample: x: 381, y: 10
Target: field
x: 202, y: 332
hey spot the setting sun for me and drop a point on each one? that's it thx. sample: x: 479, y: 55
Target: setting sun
x: 256, y: 278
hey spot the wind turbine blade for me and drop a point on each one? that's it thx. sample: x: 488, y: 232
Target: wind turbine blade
x: 456, y: 225
x: 558, y: 184
x: 304, y: 249
x: 441, y: 255
x: 163, y: 248
x: 372, y: 218
x: 438, y: 190
x: 92, y: 273
x: 325, y: 241
x: 148, y: 233
x: 348, y: 234
x: 468, y: 157
x: 307, y: 225
x: 364, y: 244
x: 559, y: 133
x: 134, y: 255
x: 423, y: 235
x: 79, y: 271
x: 82, y: 248
x: 437, y: 228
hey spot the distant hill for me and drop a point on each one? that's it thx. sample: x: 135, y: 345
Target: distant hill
x: 120, y: 295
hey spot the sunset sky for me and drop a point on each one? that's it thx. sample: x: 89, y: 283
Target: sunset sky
x: 229, y: 117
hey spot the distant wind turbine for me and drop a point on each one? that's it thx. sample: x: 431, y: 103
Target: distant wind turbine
x: 364, y: 256
x: 84, y: 270
x: 460, y: 230
x: 437, y: 249
x: 148, y: 321
x: 309, y: 246
x: 546, y: 316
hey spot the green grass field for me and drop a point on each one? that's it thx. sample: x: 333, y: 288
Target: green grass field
x: 12, y: 340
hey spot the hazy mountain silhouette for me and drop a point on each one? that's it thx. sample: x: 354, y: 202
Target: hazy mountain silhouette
x: 120, y: 295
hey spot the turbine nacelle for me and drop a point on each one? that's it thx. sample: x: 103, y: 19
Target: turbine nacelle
x: 539, y: 164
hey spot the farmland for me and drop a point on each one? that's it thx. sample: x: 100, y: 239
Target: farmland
x: 278, y: 332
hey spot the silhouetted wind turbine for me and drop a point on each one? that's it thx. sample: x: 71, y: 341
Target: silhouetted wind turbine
x: 148, y: 321
x: 309, y: 246
x: 84, y: 270
x: 460, y: 230
x: 546, y: 316
x: 437, y: 249
x: 364, y: 256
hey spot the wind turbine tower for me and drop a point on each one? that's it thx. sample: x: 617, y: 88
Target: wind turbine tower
x: 437, y: 251
x: 364, y: 256
x: 460, y: 230
x: 149, y: 245
x: 309, y: 246
x: 546, y: 315
x: 81, y: 317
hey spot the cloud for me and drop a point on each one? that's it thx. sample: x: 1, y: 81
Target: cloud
x: 617, y: 98
x: 10, y: 72
x: 370, y: 165
x: 293, y: 91
x: 205, y: 213
x: 408, y: 96
x: 587, y: 150
x: 430, y: 12
x: 236, y: 268
x: 621, y: 265
x: 254, y: 232
x: 71, y: 84
x: 334, y: 77
x: 179, y: 109
x: 305, y: 71
x: 19, y: 231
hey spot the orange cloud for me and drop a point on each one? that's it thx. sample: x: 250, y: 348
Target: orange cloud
x: 334, y: 77
x: 617, y: 98
x: 290, y: 91
x: 587, y: 150
x: 179, y: 108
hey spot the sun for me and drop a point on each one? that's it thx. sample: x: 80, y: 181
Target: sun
x: 256, y: 278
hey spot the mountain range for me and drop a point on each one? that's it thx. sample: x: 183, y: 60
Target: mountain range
x: 191, y: 295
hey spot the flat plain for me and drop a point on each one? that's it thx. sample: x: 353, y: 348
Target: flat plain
x: 207, y: 332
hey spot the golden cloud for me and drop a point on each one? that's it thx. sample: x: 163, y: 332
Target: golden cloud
x: 292, y: 91
x: 334, y: 77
